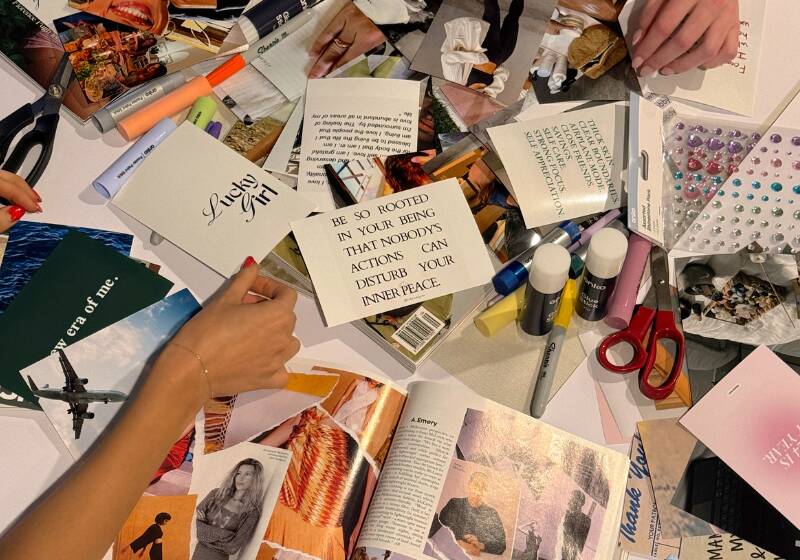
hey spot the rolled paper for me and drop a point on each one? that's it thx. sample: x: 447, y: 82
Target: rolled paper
x: 115, y: 177
x: 620, y: 308
x: 202, y: 111
x: 143, y: 120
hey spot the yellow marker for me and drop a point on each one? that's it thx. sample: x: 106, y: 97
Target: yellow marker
x: 552, y: 350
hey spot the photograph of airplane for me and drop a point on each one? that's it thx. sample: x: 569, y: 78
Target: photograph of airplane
x: 76, y: 396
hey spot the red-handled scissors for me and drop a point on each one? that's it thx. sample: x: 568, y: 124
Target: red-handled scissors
x: 656, y: 314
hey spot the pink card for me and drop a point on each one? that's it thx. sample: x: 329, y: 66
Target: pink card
x: 751, y: 420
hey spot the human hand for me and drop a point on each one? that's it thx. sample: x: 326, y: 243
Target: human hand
x: 347, y: 36
x: 243, y: 336
x: 680, y: 35
x: 469, y: 548
x: 23, y: 198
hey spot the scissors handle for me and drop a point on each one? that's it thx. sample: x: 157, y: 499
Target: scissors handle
x: 43, y: 134
x: 663, y: 329
x: 12, y: 125
x: 633, y: 335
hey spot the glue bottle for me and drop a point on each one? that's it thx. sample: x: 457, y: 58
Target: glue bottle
x: 549, y: 272
x: 607, y: 251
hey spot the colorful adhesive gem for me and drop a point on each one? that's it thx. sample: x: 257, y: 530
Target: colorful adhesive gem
x: 775, y: 138
x: 777, y: 187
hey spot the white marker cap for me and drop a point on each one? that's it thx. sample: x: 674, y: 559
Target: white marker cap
x: 607, y: 251
x: 549, y: 268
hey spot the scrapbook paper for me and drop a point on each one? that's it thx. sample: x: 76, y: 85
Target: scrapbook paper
x: 83, y: 386
x: 30, y: 243
x: 730, y: 87
x: 210, y: 201
x: 83, y: 287
x: 349, y: 118
x: 393, y: 251
x: 110, y: 59
x: 564, y: 166
x: 750, y: 420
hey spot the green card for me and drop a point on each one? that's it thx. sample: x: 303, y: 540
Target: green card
x: 83, y: 287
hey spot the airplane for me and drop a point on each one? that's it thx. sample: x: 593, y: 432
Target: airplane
x: 75, y: 394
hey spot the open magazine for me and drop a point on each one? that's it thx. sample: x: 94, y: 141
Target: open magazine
x: 339, y: 465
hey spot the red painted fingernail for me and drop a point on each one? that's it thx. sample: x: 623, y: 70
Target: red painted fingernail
x: 16, y: 212
x: 248, y: 262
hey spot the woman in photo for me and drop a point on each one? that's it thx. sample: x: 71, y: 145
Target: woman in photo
x: 153, y: 535
x: 228, y: 515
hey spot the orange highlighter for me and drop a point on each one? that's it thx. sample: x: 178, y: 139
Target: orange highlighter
x: 143, y: 120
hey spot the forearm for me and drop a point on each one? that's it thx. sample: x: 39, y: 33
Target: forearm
x: 114, y: 472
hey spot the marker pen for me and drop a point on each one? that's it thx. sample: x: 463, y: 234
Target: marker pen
x: 552, y: 351
x: 203, y: 110
x: 549, y: 273
x: 515, y: 273
x: 607, y: 251
x: 107, y: 118
x: 589, y: 231
x: 115, y: 177
x: 176, y: 101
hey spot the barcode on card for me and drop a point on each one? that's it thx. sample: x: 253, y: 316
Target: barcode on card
x: 418, y: 330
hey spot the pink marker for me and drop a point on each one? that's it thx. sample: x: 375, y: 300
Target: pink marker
x: 623, y: 300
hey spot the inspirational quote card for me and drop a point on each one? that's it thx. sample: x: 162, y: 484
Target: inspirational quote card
x: 210, y: 201
x: 564, y: 166
x: 393, y: 251
x: 351, y: 118
x: 732, y: 86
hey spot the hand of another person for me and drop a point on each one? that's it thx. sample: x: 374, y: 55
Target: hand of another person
x: 678, y: 35
x: 347, y: 36
x: 469, y: 548
x: 23, y: 198
x: 243, y: 336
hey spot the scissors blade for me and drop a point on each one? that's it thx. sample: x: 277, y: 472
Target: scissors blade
x: 59, y: 82
x: 659, y: 270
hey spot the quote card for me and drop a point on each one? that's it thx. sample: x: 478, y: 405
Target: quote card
x: 351, y: 118
x: 210, y: 201
x: 564, y: 166
x: 393, y: 251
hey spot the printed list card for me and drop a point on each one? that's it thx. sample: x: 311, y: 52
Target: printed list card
x: 393, y: 251
x: 351, y: 118
x: 564, y: 166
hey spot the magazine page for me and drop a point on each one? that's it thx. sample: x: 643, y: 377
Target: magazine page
x: 468, y: 478
x: 336, y: 426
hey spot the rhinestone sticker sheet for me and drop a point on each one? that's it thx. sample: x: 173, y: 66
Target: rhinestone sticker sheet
x: 759, y: 202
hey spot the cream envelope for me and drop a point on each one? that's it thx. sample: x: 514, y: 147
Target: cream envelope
x: 210, y: 201
x: 393, y: 251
